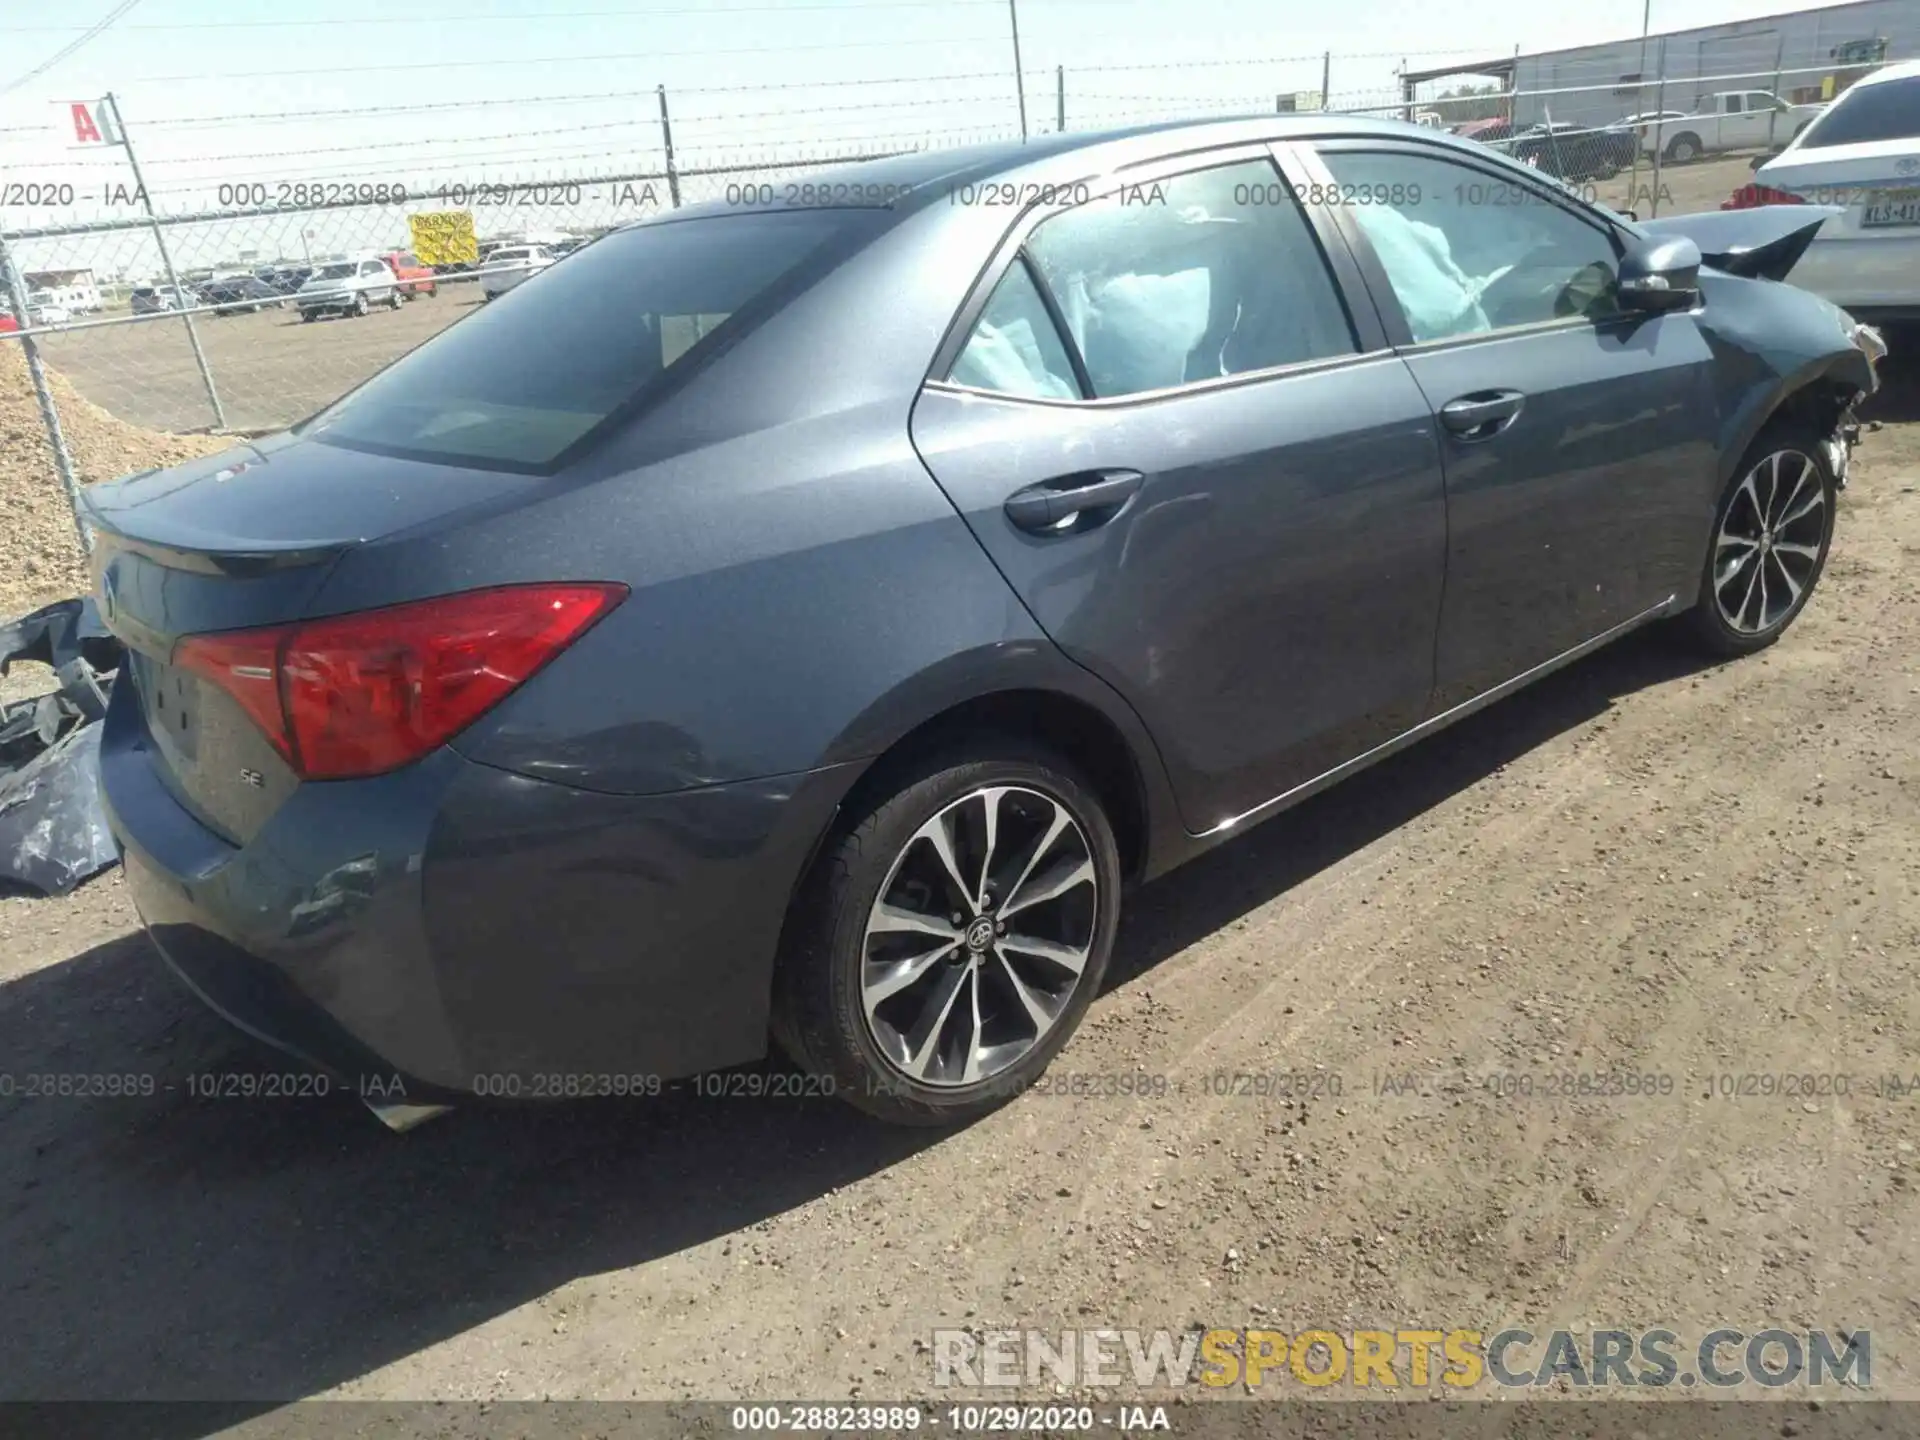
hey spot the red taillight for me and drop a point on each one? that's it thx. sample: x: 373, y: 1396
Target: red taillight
x: 1750, y: 197
x: 355, y: 695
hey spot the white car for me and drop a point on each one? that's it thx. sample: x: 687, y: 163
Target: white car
x: 511, y: 264
x: 1862, y: 154
x: 42, y: 309
x: 348, y: 287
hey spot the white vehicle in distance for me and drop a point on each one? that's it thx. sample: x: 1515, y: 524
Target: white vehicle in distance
x: 1863, y: 155
x: 42, y: 309
x: 153, y: 299
x: 511, y: 264
x: 1731, y: 120
x: 348, y: 287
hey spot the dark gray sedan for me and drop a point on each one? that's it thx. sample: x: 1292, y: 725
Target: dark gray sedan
x: 803, y: 616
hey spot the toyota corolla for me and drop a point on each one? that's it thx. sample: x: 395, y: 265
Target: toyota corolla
x: 800, y: 621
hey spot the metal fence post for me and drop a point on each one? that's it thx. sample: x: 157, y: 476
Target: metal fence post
x: 1019, y: 75
x: 1659, y: 132
x: 49, y: 415
x: 666, y: 141
x: 1326, y: 80
x: 1060, y: 99
x: 166, y: 259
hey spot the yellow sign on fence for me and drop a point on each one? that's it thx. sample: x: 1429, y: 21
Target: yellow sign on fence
x: 444, y: 237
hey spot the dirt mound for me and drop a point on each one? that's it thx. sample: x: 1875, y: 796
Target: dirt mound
x: 42, y: 559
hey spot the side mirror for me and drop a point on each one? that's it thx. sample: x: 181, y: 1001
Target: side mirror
x: 1661, y: 274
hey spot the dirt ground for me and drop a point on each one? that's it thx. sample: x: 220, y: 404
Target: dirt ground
x: 1641, y: 865
x: 269, y: 367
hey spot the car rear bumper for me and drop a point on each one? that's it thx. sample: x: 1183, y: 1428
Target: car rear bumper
x: 1870, y: 276
x: 463, y: 930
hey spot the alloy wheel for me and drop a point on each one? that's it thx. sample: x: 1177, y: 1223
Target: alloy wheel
x: 1770, y: 542
x: 979, y: 936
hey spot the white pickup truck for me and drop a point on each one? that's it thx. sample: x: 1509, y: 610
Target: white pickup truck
x: 1731, y: 120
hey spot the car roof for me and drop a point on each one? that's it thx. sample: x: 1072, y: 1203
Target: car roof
x: 923, y: 175
x: 1904, y: 70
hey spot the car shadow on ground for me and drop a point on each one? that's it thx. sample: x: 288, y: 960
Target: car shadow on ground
x: 255, y: 1250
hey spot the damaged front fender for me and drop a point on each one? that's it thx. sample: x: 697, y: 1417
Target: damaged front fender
x: 1781, y: 350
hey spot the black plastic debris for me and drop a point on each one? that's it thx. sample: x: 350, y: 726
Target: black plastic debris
x: 53, y: 830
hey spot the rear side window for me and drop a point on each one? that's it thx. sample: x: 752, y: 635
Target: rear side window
x: 1015, y: 348
x: 1868, y: 113
x: 1191, y: 278
x: 525, y: 377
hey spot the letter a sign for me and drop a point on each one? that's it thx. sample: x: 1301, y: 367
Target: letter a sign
x: 92, y: 123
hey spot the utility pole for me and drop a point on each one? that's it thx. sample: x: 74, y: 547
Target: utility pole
x: 179, y: 295
x: 1640, y: 101
x: 1019, y: 76
x: 1659, y: 136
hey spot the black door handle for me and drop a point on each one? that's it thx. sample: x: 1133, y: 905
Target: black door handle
x: 1040, y: 507
x: 1482, y: 414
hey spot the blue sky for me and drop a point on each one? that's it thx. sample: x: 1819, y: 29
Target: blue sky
x: 212, y: 90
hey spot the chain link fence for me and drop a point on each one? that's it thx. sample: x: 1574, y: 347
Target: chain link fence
x: 241, y: 306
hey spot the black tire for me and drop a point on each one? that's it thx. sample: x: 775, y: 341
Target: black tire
x: 819, y: 1016
x: 1684, y: 148
x: 359, y: 306
x: 1707, y: 625
x: 307, y: 317
x: 396, y: 299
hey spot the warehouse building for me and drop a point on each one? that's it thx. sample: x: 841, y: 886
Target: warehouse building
x: 1801, y: 55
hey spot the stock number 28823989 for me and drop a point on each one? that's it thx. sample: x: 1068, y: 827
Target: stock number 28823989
x: 259, y: 194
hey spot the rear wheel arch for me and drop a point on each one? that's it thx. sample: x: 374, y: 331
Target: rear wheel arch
x: 1078, y: 729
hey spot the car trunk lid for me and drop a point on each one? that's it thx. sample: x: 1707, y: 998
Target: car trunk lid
x: 238, y: 540
x: 1876, y: 184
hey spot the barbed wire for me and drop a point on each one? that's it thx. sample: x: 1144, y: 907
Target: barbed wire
x: 576, y: 59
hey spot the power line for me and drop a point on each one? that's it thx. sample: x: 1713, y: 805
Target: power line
x: 68, y: 49
x: 470, y: 19
x: 645, y: 121
x: 274, y: 116
x: 573, y: 59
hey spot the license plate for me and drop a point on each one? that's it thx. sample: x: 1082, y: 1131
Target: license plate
x: 1902, y: 207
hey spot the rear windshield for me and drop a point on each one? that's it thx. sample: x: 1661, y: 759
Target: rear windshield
x: 333, y: 272
x: 534, y: 370
x: 1866, y: 113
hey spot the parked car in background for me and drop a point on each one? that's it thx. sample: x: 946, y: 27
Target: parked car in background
x: 43, y: 309
x: 416, y: 279
x: 1642, y: 124
x: 1485, y: 131
x: 1731, y: 120
x: 510, y: 265
x: 285, y: 279
x: 348, y: 287
x: 1573, y: 152
x: 232, y: 294
x: 151, y: 299
x: 807, y: 620
x: 1862, y: 157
